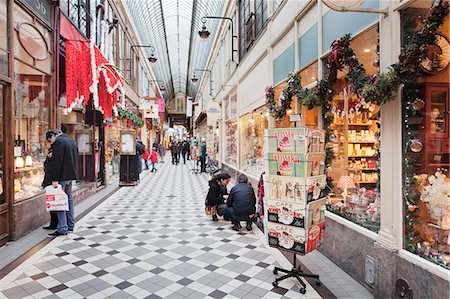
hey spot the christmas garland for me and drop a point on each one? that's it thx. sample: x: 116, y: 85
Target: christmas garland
x: 378, y: 89
x: 136, y: 120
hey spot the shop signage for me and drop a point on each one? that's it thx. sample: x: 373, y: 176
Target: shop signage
x: 151, y: 111
x: 189, y: 107
x: 352, y: 111
x: 295, y: 118
x: 212, y: 113
x: 42, y: 8
x: 161, y: 104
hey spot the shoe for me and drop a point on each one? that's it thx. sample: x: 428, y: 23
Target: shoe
x: 70, y: 230
x: 214, y: 218
x: 236, y: 227
x: 56, y: 234
x: 49, y: 227
x: 249, y: 227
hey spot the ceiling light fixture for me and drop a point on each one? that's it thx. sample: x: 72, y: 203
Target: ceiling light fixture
x: 194, y: 78
x: 204, y: 33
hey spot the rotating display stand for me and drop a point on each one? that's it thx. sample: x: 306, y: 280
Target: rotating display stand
x: 295, y: 189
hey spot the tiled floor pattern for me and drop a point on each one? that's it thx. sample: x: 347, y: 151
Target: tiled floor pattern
x: 153, y: 241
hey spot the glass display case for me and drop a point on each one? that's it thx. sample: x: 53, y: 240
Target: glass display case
x: 252, y: 141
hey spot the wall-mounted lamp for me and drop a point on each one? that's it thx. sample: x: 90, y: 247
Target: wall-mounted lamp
x: 152, y: 58
x: 195, y: 79
x: 204, y: 33
x: 161, y: 87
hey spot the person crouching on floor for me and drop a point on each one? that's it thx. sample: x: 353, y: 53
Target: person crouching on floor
x: 241, y: 203
x: 153, y: 159
x: 217, y: 189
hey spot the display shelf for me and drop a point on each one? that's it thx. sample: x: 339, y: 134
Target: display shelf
x: 355, y: 124
x: 366, y: 182
x: 362, y: 156
x: 25, y: 169
x: 363, y: 169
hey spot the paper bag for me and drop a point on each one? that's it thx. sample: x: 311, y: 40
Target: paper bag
x: 56, y: 199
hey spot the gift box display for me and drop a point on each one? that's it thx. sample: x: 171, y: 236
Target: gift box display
x: 316, y: 212
x: 298, y: 190
x: 296, y: 164
x: 288, y: 213
x: 316, y: 233
x: 287, y: 237
x: 296, y: 140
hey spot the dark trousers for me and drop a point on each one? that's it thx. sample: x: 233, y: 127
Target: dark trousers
x: 177, y: 158
x: 203, y: 164
x: 53, y: 219
x: 188, y: 155
x: 184, y: 157
x: 229, y: 211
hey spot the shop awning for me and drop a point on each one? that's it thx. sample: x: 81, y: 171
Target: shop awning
x: 200, y: 118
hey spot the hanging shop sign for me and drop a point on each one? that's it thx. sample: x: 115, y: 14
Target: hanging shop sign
x: 41, y: 8
x: 212, y: 113
x: 152, y: 111
x: 189, y: 107
x: 161, y: 104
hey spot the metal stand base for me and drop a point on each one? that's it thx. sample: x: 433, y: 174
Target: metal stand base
x: 295, y: 272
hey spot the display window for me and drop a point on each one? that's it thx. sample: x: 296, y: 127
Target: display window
x: 426, y: 144
x: 112, y: 153
x: 354, y: 140
x: 252, y: 126
x: 231, y: 142
x: 31, y: 120
x: 309, y: 74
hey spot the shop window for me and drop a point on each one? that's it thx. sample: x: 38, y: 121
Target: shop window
x: 308, y: 46
x: 231, y: 143
x: 252, y: 126
x: 253, y: 17
x: 355, y: 144
x: 4, y: 46
x: 31, y: 121
x: 334, y: 27
x: 309, y: 74
x: 426, y: 154
x: 79, y: 13
x: 284, y: 64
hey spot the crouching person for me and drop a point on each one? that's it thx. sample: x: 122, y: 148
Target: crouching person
x: 241, y: 203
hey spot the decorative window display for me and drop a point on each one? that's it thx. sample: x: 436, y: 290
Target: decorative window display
x: 252, y: 141
x: 355, y: 134
x: 31, y: 117
x: 231, y: 142
x: 112, y: 155
x: 426, y: 148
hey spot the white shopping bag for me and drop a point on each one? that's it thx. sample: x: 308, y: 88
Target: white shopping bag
x: 56, y: 199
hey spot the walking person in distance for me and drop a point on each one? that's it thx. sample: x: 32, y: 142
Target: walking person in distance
x: 63, y: 169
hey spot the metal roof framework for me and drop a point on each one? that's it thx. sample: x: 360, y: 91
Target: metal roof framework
x: 171, y: 26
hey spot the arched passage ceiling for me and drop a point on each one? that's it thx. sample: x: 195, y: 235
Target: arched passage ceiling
x: 172, y: 26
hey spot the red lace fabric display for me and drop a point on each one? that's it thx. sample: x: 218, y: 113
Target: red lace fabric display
x: 88, y: 71
x: 78, y: 76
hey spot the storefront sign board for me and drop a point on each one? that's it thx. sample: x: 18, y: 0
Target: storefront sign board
x: 296, y: 140
x: 84, y: 142
x: 128, y: 142
x: 296, y: 164
x: 212, y: 112
x: 152, y: 111
x: 296, y: 190
x: 42, y: 8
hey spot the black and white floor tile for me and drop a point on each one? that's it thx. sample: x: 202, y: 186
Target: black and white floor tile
x: 153, y: 241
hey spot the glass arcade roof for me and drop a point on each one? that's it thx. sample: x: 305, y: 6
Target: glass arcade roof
x: 172, y: 26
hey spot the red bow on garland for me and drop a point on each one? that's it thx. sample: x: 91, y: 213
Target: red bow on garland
x: 336, y: 53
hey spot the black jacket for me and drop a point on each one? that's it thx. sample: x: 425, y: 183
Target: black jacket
x: 140, y: 147
x: 215, y: 194
x: 243, y: 200
x: 47, y: 181
x: 184, y: 147
x: 63, y: 165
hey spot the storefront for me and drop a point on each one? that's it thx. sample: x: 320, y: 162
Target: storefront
x: 26, y: 82
x: 230, y: 129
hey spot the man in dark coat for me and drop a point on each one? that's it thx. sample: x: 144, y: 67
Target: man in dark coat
x: 184, y: 150
x: 241, y: 203
x: 203, y: 155
x: 63, y: 169
x: 176, y: 149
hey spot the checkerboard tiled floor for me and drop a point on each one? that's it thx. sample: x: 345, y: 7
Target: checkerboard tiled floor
x: 153, y: 241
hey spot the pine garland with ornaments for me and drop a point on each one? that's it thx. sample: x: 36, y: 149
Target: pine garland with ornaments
x: 136, y: 120
x: 379, y: 89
